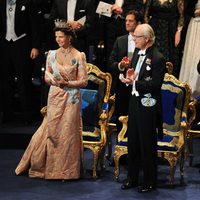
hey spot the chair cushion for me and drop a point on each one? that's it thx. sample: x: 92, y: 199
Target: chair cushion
x: 168, y: 143
x: 89, y: 107
x: 91, y: 133
x: 173, y: 97
x: 123, y: 142
x: 91, y: 138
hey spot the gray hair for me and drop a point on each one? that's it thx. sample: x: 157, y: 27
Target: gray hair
x: 148, y: 32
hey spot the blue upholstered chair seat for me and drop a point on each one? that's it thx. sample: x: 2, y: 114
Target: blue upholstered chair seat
x: 89, y: 107
x: 91, y: 133
x: 172, y: 104
x: 123, y: 142
x: 91, y: 138
x: 168, y: 143
x: 89, y: 111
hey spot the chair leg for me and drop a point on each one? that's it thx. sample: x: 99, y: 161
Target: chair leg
x: 190, y: 151
x: 172, y: 171
x: 109, y: 145
x: 116, y: 159
x: 111, y: 130
x: 101, y: 159
x: 95, y: 164
x: 182, y: 161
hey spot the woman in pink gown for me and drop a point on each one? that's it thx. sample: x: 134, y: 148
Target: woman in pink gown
x: 55, y: 150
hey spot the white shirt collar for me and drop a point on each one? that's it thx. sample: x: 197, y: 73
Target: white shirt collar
x: 142, y: 52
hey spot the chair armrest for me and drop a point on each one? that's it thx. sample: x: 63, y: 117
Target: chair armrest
x: 111, y: 102
x: 192, y: 110
x: 124, y: 120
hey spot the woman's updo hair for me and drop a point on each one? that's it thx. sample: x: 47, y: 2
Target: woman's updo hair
x: 63, y: 26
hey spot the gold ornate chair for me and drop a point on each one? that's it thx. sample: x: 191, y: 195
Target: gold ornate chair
x: 121, y: 147
x: 175, y: 103
x: 95, y: 113
x: 111, y: 127
x: 194, y: 126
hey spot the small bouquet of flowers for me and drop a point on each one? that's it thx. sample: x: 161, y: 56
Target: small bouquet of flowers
x: 125, y: 62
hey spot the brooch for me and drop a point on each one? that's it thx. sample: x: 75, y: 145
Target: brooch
x: 148, y: 101
x: 148, y: 68
x: 74, y: 62
x: 148, y: 61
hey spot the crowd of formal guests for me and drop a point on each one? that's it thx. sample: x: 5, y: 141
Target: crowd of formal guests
x: 33, y: 22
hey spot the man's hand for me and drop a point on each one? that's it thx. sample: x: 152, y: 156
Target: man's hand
x: 125, y: 63
x: 75, y: 25
x: 197, y: 13
x: 34, y: 53
x: 130, y: 76
x: 116, y: 9
x: 61, y: 82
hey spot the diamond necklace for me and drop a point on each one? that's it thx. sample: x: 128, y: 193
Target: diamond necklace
x: 66, y: 51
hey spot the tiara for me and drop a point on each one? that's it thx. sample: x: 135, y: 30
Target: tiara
x: 61, y: 24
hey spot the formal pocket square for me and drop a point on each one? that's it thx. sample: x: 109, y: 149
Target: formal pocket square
x: 23, y: 8
x: 81, y: 10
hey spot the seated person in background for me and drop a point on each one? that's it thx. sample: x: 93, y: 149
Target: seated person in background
x: 55, y: 150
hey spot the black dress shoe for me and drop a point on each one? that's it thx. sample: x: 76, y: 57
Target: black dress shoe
x: 145, y: 188
x: 128, y: 184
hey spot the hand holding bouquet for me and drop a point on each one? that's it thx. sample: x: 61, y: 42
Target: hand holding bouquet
x: 125, y: 63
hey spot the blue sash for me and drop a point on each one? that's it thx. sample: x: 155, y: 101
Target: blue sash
x: 73, y: 98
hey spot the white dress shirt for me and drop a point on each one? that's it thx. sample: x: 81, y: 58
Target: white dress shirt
x: 131, y: 46
x: 119, y: 2
x: 130, y: 50
x: 71, y: 6
x: 137, y: 70
x: 10, y: 13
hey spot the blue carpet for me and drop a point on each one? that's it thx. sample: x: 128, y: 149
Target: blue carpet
x: 14, y: 187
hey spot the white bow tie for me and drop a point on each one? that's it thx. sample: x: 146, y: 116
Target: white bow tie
x: 11, y: 2
x: 142, y: 52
